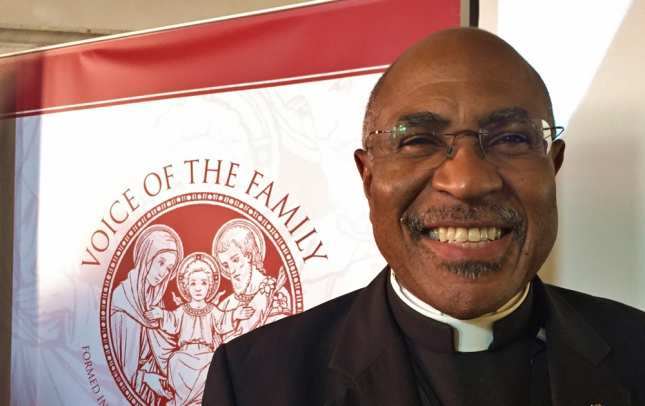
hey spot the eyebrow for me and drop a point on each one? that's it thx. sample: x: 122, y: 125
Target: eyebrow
x: 504, y: 115
x: 423, y: 119
x: 430, y: 119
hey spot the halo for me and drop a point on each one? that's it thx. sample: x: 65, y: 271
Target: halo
x: 183, y: 268
x: 238, y: 223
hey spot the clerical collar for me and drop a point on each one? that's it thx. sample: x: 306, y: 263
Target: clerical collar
x: 468, y: 335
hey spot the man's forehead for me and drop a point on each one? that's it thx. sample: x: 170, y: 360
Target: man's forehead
x: 458, y: 66
x: 459, y: 55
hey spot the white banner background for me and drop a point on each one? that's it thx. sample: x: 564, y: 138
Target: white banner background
x: 71, y: 166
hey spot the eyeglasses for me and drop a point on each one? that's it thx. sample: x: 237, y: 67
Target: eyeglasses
x: 499, y: 143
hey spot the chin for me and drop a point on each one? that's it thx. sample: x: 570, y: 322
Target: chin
x: 482, y: 295
x: 464, y: 290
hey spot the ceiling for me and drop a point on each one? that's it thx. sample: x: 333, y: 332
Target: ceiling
x: 29, y: 24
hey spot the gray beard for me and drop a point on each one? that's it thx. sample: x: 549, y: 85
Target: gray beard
x: 472, y: 270
x: 502, y: 215
x: 240, y: 287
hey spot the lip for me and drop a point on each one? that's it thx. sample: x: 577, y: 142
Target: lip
x: 490, y: 251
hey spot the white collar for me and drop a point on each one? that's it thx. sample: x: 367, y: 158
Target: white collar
x: 470, y: 335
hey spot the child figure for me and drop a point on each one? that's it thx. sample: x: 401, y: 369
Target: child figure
x: 200, y: 325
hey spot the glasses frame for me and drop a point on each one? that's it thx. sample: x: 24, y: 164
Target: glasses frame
x: 556, y: 132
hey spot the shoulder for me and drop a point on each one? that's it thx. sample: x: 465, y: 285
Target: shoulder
x: 287, y: 359
x: 622, y: 327
x: 314, y: 328
x: 605, y: 314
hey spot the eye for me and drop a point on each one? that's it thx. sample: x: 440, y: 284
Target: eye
x: 512, y: 138
x: 514, y: 142
x: 423, y: 142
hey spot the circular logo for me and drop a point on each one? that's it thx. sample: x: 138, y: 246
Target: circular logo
x: 192, y: 273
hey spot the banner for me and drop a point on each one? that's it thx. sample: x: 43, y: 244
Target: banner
x: 176, y: 189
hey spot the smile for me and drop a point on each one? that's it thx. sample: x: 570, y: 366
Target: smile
x: 465, y: 234
x: 468, y: 244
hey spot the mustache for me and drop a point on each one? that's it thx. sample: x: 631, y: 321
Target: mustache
x: 505, y: 216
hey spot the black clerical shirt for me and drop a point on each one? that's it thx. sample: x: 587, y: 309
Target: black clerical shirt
x: 513, y: 371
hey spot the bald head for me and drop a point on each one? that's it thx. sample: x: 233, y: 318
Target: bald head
x: 460, y: 54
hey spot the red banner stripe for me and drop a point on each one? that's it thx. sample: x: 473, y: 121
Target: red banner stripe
x: 317, y: 39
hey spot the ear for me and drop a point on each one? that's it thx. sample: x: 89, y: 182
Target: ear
x: 364, y: 166
x: 557, y: 154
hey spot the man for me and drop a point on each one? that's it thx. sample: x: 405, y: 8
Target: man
x: 458, y: 166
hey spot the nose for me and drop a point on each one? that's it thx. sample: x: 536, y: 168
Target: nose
x: 466, y: 174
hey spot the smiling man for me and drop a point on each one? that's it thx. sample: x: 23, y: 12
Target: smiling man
x: 458, y: 165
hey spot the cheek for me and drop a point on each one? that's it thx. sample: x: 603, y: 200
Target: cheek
x: 536, y: 193
x: 546, y: 215
x: 155, y: 271
x: 394, y: 188
x: 538, y: 197
x: 393, y: 193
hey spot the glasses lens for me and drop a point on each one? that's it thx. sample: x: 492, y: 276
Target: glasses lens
x: 418, y: 143
x: 516, y: 139
x: 408, y: 142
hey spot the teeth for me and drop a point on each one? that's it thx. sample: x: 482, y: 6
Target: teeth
x: 463, y: 234
x: 443, y: 234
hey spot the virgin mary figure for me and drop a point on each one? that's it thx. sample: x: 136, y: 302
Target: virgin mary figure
x: 141, y: 349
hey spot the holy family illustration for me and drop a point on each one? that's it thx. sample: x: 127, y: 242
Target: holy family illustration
x: 164, y: 354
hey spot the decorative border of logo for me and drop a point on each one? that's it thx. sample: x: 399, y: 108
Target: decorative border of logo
x: 218, y: 199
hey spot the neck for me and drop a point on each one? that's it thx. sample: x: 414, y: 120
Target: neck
x: 197, y: 304
x: 469, y: 335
